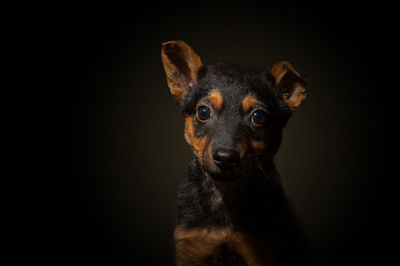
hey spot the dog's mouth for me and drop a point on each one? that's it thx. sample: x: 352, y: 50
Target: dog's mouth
x: 224, y: 175
x: 227, y: 172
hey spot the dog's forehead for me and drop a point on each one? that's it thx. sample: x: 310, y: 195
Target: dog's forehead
x: 230, y: 79
x: 234, y: 83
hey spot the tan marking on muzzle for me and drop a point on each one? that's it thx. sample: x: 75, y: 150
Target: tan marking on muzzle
x: 197, y: 144
x: 257, y: 145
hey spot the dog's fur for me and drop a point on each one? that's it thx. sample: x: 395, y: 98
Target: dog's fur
x: 231, y: 206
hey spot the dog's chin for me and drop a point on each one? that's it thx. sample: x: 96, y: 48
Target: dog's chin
x: 223, y: 175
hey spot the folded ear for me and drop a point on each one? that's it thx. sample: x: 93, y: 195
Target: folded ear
x: 181, y: 65
x: 291, y: 85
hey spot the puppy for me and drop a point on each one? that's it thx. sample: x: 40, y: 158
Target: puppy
x: 232, y: 209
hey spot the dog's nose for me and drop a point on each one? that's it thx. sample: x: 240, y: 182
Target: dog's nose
x: 226, y: 157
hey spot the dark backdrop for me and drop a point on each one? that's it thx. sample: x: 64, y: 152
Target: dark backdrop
x: 121, y: 152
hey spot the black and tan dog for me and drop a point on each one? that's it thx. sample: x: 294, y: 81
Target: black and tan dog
x: 231, y: 206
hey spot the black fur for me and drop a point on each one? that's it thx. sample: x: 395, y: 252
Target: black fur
x: 202, y: 203
x: 225, y: 255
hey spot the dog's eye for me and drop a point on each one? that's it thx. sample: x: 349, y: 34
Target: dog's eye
x: 258, y: 118
x: 203, y: 112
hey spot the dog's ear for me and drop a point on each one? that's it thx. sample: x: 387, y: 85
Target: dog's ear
x: 290, y: 84
x: 181, y: 65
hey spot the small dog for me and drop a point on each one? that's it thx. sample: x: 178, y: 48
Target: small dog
x: 231, y: 206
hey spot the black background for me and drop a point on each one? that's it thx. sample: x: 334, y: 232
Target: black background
x: 119, y: 152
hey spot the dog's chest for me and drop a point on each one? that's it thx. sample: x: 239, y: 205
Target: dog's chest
x: 224, y: 246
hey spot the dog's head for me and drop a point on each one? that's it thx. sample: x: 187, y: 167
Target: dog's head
x: 233, y: 118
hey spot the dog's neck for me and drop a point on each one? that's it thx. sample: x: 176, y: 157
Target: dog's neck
x: 244, y: 200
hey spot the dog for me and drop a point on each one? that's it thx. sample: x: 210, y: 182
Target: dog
x: 232, y: 209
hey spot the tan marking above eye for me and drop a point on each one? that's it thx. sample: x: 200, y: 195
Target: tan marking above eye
x: 248, y: 102
x: 257, y: 144
x: 216, y: 99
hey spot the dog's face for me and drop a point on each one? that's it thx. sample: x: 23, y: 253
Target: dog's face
x: 233, y: 118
